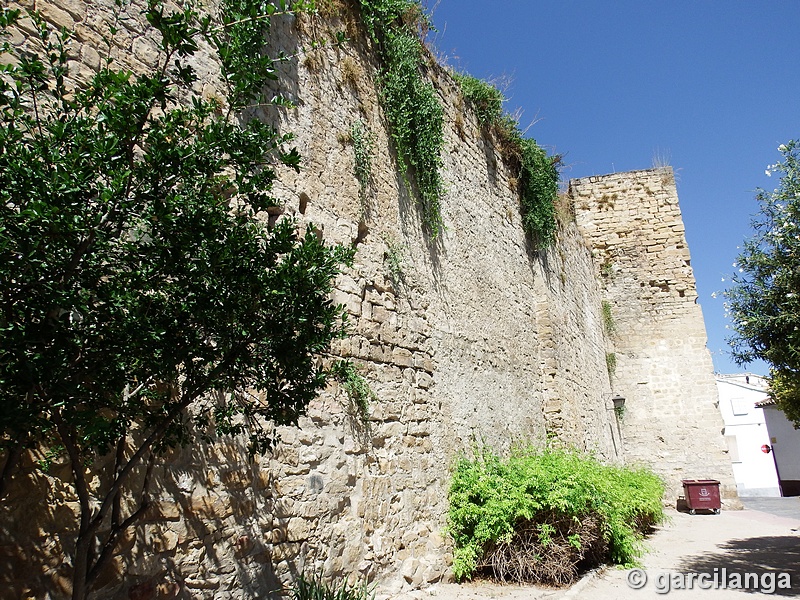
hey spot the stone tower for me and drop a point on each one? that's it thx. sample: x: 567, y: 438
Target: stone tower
x: 658, y: 358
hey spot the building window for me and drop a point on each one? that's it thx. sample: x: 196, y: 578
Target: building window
x: 740, y: 406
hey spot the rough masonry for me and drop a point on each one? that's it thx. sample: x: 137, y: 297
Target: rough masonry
x: 632, y: 221
x: 467, y: 339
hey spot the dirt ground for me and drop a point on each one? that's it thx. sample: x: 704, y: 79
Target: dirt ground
x: 740, y: 552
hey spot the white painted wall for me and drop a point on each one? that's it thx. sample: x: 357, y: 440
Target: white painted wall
x: 746, y: 432
x: 786, y: 443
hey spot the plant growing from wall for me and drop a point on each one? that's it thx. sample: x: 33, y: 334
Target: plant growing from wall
x: 609, y: 324
x: 486, y: 99
x: 139, y: 279
x: 536, y: 172
x: 415, y: 116
x: 364, y: 149
x: 538, y: 516
x: 394, y: 260
x: 607, y: 268
x: 355, y: 387
x: 538, y: 192
x: 611, y: 363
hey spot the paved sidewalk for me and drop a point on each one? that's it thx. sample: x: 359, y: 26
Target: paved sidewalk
x: 782, y: 507
x: 723, y: 547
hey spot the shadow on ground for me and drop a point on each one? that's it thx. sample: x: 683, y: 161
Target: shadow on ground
x: 767, y: 556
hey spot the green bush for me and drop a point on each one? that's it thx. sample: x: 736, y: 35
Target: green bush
x: 538, y: 190
x: 493, y: 501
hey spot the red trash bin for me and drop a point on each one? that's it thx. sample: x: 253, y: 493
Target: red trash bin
x: 702, y: 494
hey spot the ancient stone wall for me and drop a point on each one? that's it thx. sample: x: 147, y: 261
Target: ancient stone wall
x: 468, y: 338
x: 671, y: 422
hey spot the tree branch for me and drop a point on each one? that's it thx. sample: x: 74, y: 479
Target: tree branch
x: 118, y: 529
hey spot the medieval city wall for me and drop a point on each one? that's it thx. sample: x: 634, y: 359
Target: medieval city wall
x: 466, y: 339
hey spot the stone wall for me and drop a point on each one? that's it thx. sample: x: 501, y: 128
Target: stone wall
x: 672, y: 421
x: 468, y: 338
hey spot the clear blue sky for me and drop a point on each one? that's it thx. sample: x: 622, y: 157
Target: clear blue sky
x: 712, y: 85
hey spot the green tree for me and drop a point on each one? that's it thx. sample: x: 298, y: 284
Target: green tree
x: 764, y: 298
x: 145, y: 303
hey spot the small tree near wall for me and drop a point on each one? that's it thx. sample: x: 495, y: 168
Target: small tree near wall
x: 143, y: 297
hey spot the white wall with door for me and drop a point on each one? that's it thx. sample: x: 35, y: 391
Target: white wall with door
x: 746, y: 434
x: 785, y: 442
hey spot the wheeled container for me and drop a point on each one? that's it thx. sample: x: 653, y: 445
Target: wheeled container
x: 702, y: 494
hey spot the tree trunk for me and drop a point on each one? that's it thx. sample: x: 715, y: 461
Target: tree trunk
x: 12, y: 458
x: 80, y: 567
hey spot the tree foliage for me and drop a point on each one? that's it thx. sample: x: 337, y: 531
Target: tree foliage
x: 764, y: 298
x: 145, y: 302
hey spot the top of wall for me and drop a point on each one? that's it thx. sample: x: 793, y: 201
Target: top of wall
x: 623, y: 175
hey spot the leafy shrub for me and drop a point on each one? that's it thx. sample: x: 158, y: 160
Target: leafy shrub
x: 538, y: 191
x: 546, y: 502
x: 355, y: 387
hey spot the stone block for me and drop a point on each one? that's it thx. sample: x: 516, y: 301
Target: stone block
x: 424, y: 380
x: 76, y: 8
x: 298, y: 529
x: 54, y: 14
x: 164, y: 510
x: 402, y: 357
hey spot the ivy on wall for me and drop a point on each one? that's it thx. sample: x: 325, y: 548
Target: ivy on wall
x: 416, y: 118
x: 537, y: 173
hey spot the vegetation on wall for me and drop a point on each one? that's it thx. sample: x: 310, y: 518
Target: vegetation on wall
x: 364, y: 149
x: 537, y: 173
x: 393, y: 257
x: 355, y: 387
x: 411, y: 105
x: 486, y: 99
x: 538, y: 182
x: 541, y: 516
x: 764, y: 297
x: 611, y: 363
x: 139, y: 277
x: 609, y: 325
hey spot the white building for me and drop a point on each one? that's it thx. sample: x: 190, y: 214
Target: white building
x: 785, y: 442
x: 746, y: 434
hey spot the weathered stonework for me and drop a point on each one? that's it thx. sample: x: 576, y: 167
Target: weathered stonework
x: 474, y: 339
x: 633, y: 224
